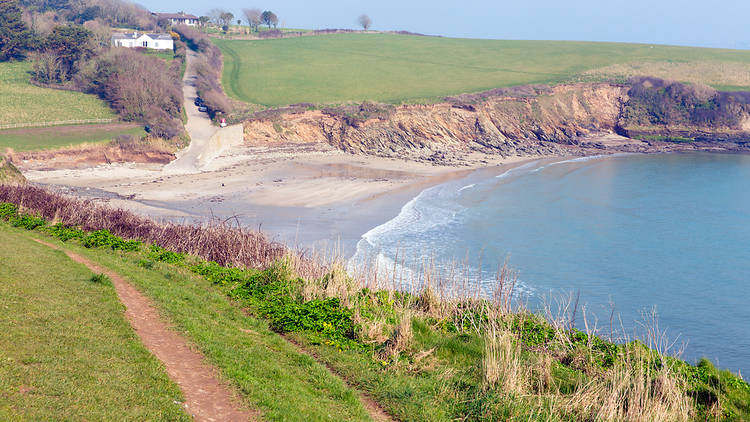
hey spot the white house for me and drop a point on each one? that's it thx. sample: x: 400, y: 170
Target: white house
x: 136, y: 39
x: 177, y: 18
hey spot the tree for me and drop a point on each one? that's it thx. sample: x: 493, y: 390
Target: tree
x: 72, y: 44
x: 204, y: 20
x: 226, y: 19
x: 364, y: 21
x: 252, y: 16
x: 269, y: 18
x: 15, y: 36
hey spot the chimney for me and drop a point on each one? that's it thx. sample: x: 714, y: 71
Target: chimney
x: 135, y: 33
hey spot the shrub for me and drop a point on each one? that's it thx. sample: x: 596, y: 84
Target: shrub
x: 65, y: 233
x: 27, y: 221
x: 104, y: 239
x: 157, y: 253
x: 8, y: 210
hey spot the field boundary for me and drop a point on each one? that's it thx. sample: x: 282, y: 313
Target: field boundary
x: 55, y: 123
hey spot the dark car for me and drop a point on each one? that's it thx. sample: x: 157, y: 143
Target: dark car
x: 202, y: 108
x: 199, y: 101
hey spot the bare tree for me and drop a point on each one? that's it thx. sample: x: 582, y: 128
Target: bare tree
x: 215, y: 15
x: 252, y: 16
x: 226, y: 20
x: 364, y: 21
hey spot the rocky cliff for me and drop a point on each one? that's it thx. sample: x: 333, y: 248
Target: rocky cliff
x: 564, y: 120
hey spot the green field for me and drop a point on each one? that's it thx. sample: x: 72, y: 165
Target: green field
x: 32, y: 139
x: 23, y: 102
x: 67, y: 352
x: 342, y: 68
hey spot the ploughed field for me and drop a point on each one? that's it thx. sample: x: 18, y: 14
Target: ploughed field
x: 340, y: 68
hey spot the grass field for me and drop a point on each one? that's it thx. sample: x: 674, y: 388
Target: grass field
x: 66, y: 352
x: 33, y: 139
x: 23, y: 102
x: 341, y: 68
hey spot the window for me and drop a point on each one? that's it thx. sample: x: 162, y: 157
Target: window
x: 156, y: 44
x: 145, y: 43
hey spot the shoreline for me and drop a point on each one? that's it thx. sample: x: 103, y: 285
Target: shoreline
x: 308, y: 196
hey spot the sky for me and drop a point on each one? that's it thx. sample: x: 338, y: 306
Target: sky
x: 709, y: 23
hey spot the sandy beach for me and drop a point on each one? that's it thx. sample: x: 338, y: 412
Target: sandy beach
x: 306, y: 195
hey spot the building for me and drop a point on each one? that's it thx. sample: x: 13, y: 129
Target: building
x: 145, y: 40
x: 178, y: 18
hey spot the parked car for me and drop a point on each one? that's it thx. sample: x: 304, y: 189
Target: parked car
x: 202, y: 108
x: 199, y: 101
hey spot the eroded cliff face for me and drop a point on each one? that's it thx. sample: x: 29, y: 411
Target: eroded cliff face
x: 561, y: 121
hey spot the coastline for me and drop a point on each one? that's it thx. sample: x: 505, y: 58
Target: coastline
x: 307, y: 196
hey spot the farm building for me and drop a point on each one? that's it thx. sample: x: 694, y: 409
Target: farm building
x: 145, y: 40
x: 177, y: 18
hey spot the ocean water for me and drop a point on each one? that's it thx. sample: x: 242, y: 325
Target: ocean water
x: 667, y: 232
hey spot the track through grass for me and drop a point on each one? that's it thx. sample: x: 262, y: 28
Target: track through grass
x: 67, y: 352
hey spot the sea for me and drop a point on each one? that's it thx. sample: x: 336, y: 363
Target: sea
x: 621, y: 238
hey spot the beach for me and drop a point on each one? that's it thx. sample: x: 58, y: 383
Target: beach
x: 304, y: 195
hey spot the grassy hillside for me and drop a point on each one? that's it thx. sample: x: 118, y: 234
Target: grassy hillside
x: 394, y: 68
x: 26, y: 103
x: 421, y: 357
x: 32, y: 139
x: 66, y: 352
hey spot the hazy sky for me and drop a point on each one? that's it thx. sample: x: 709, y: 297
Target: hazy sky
x: 717, y: 23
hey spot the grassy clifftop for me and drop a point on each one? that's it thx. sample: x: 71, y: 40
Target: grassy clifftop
x: 390, y: 68
x: 421, y: 355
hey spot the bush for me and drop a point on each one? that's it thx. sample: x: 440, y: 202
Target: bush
x: 27, y: 221
x: 65, y: 233
x: 104, y: 239
x: 157, y: 253
x: 8, y: 210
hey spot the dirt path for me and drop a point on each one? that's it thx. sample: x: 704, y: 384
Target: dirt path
x: 206, y: 398
x: 198, y: 126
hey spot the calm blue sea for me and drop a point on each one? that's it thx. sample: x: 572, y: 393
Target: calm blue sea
x: 667, y: 231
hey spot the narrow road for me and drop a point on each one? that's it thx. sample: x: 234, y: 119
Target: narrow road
x: 206, y: 398
x: 198, y: 126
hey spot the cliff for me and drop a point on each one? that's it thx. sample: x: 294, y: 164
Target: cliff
x: 564, y: 120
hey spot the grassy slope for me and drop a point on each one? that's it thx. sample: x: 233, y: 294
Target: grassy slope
x: 438, y: 376
x: 66, y: 351
x: 268, y: 371
x: 33, y: 139
x: 394, y: 68
x: 26, y: 103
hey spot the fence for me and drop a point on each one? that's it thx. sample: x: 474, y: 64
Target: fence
x: 57, y: 123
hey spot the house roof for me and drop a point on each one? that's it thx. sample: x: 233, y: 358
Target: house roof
x: 136, y: 35
x: 174, y: 16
